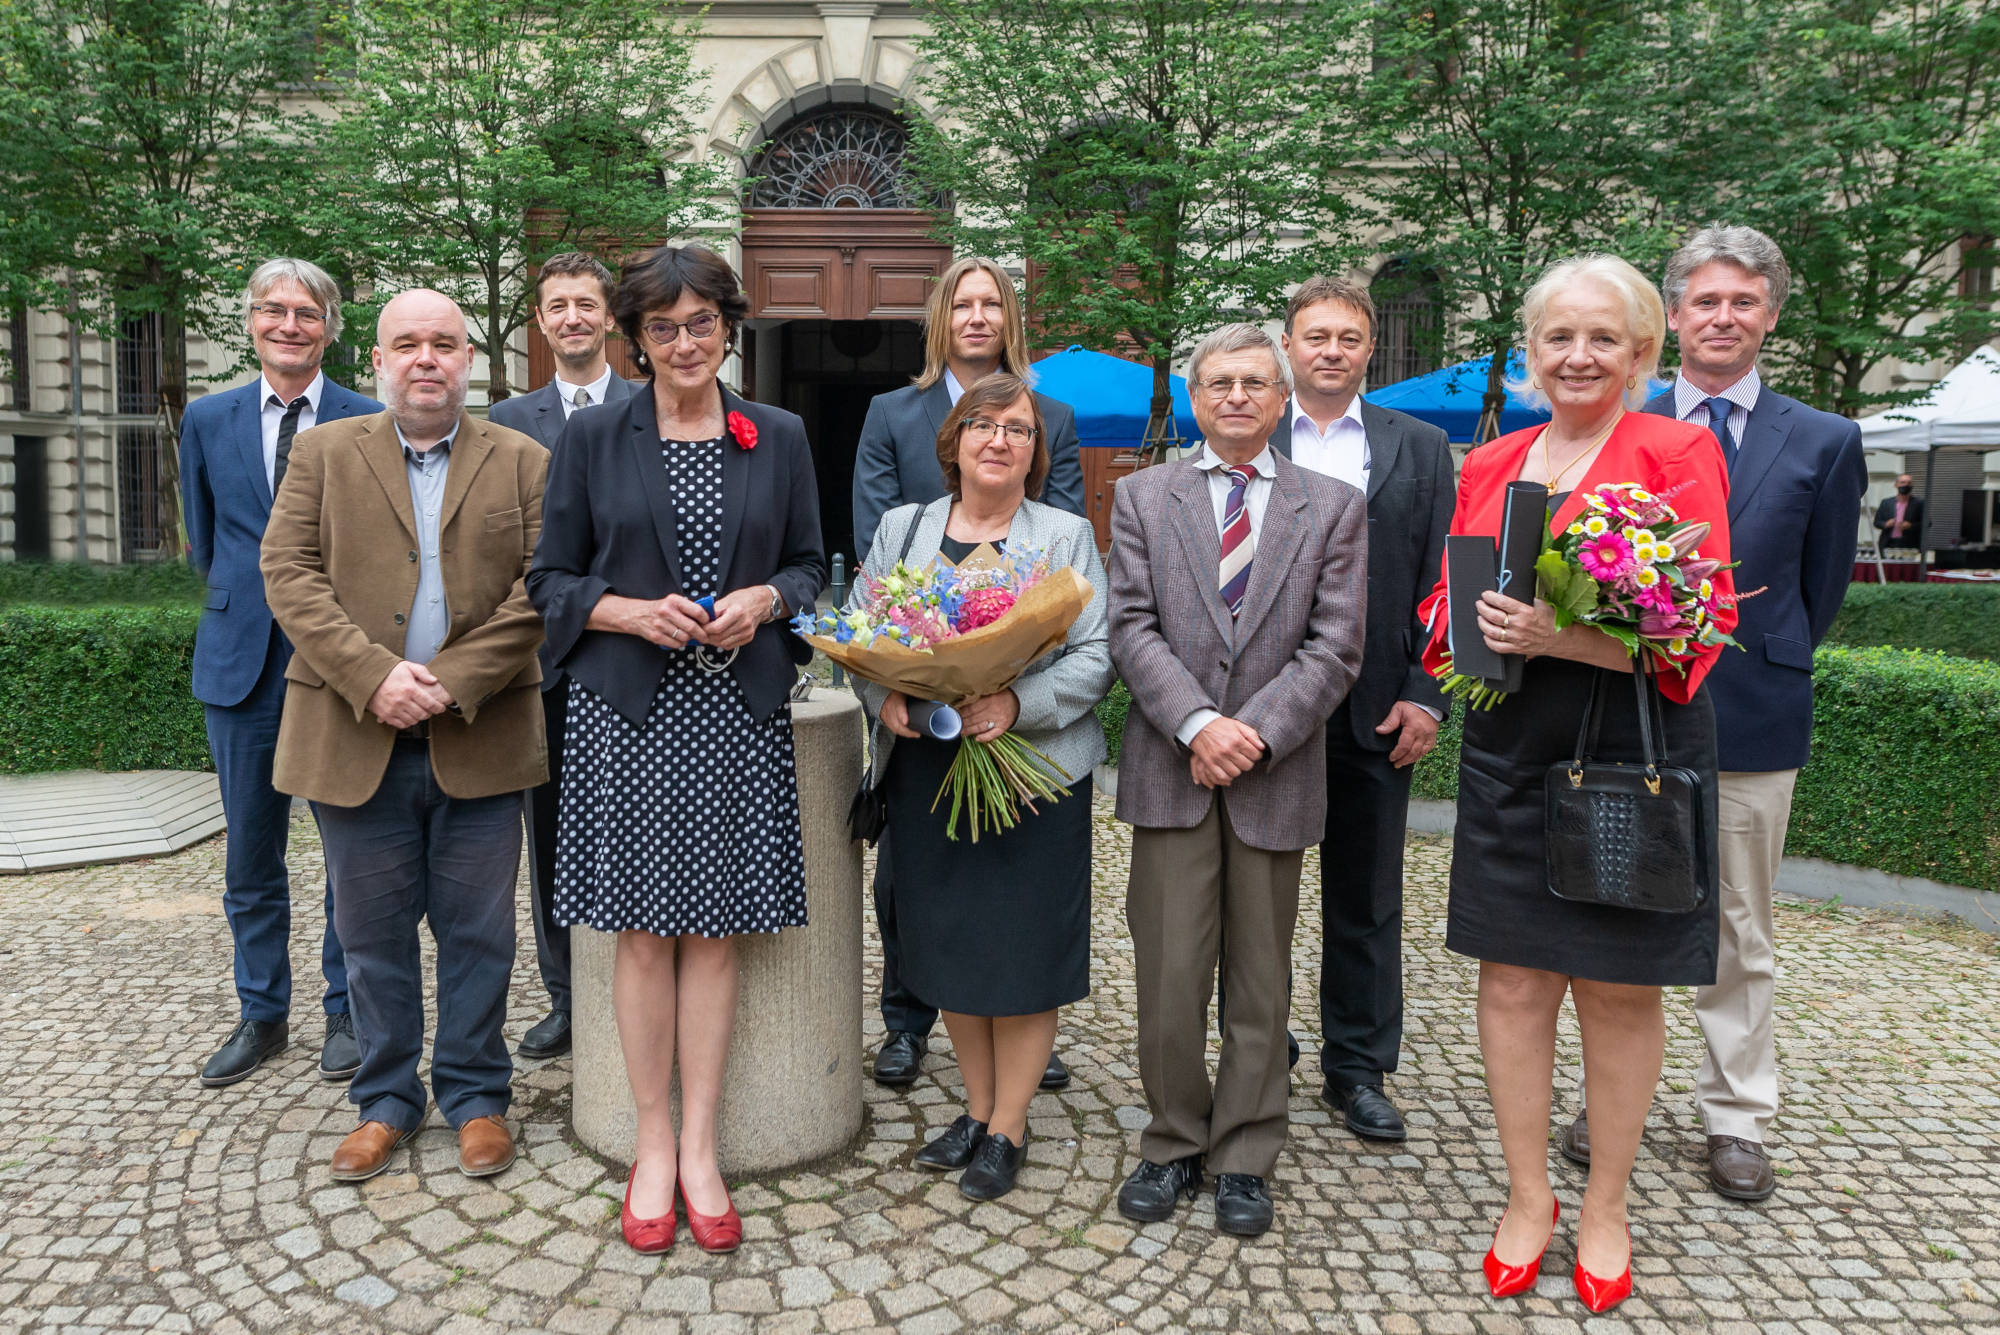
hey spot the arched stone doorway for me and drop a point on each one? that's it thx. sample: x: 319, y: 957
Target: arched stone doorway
x: 838, y: 263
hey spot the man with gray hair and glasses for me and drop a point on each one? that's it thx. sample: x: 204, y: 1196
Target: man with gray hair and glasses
x: 1796, y: 476
x: 235, y: 446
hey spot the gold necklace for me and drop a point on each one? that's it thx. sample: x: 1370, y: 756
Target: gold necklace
x: 1548, y: 464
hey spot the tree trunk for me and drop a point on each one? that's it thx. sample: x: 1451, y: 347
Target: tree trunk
x: 173, y: 402
x: 1495, y: 399
x: 1161, y: 435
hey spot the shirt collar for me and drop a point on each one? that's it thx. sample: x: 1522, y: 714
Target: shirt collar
x: 442, y: 448
x: 1208, y: 461
x: 596, y: 388
x: 952, y: 387
x: 1353, y: 414
x: 1743, y: 394
x: 313, y: 392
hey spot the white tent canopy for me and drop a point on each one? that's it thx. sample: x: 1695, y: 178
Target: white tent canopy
x: 1962, y: 409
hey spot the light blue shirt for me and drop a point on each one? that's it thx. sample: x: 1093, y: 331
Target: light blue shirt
x: 430, y: 614
x: 1691, y: 404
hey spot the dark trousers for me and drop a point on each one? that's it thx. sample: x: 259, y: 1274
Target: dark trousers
x: 257, y: 893
x: 407, y: 856
x: 551, y: 941
x: 903, y: 1012
x: 1361, y: 909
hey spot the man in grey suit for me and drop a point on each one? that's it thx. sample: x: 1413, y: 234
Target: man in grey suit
x: 573, y: 311
x: 972, y: 327
x: 1239, y: 598
x: 1390, y: 720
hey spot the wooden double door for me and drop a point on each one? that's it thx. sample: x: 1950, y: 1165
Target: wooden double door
x: 840, y: 264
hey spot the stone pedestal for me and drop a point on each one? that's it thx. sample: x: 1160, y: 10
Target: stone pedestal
x: 793, y: 1092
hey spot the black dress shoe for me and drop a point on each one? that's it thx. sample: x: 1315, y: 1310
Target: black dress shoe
x: 1057, y: 1075
x: 550, y: 1038
x: 1154, y: 1190
x: 995, y: 1165
x: 340, y: 1055
x: 1366, y: 1109
x: 901, y: 1060
x: 1242, y: 1204
x: 253, y: 1041
x: 955, y: 1148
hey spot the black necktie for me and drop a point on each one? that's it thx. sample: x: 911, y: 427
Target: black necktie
x: 1718, y: 422
x: 288, y: 426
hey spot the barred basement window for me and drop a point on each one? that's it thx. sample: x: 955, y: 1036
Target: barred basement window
x: 1408, y: 327
x: 140, y: 361
x: 19, y: 365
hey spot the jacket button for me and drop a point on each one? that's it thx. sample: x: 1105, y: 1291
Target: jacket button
x: 413, y: 556
x: 399, y: 618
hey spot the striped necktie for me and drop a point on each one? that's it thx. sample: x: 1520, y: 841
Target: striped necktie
x: 1237, y: 546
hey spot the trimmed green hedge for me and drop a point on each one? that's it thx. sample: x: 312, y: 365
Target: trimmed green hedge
x: 1111, y: 712
x: 1905, y: 769
x: 72, y: 585
x: 1961, y: 619
x: 99, y: 688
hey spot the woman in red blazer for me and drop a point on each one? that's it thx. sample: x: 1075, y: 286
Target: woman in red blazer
x: 1594, y: 328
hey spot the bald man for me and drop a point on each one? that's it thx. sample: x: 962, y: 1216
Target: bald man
x: 396, y: 561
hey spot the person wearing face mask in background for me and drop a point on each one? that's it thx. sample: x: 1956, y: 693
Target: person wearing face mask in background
x: 972, y: 327
x: 1900, y: 519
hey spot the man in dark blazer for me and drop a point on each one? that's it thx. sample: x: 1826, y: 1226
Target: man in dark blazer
x: 1899, y: 520
x: 1796, y: 476
x: 1389, y: 721
x: 972, y: 327
x: 235, y: 447
x: 573, y: 311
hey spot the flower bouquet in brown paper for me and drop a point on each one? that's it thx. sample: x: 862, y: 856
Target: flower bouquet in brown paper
x: 954, y: 633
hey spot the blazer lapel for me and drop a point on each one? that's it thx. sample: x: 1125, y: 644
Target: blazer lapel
x: 1280, y: 439
x: 1277, y: 545
x: 548, y: 417
x: 384, y: 453
x: 248, y: 428
x: 735, y: 487
x: 1194, y: 516
x: 1763, y: 441
x: 653, y: 482
x: 469, y: 449
x: 1384, y: 443
x: 937, y: 406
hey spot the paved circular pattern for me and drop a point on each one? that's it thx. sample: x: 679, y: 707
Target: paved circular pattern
x: 133, y: 1199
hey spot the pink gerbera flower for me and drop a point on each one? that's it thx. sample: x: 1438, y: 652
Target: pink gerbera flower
x: 1658, y: 596
x: 1607, y: 557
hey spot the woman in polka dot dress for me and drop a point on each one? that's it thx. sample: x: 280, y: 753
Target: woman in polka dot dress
x: 679, y: 822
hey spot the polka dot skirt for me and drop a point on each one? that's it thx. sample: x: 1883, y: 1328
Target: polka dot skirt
x: 688, y: 824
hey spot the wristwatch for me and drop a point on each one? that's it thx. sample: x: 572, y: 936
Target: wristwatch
x: 777, y: 608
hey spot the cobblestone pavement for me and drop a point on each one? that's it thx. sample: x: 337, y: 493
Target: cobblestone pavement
x: 132, y: 1199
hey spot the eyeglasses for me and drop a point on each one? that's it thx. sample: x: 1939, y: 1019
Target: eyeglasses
x: 666, y: 331
x: 271, y: 310
x: 981, y: 431
x: 1221, y: 386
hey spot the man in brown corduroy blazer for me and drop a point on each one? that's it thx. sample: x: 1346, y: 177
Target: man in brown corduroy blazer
x: 396, y: 562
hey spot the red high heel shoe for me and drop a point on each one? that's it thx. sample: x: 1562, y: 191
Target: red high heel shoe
x: 648, y: 1237
x: 714, y: 1232
x: 1507, y: 1280
x: 1601, y: 1295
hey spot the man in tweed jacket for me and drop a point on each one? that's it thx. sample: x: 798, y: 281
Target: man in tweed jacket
x: 1223, y: 772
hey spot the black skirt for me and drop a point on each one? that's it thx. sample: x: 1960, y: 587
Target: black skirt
x: 1000, y: 927
x: 1501, y: 907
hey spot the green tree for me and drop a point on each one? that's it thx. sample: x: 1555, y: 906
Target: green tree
x: 476, y: 137
x: 133, y: 140
x: 1163, y: 166
x: 1513, y: 133
x: 1861, y: 137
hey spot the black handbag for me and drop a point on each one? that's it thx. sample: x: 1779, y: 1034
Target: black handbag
x: 868, y: 813
x: 1627, y: 836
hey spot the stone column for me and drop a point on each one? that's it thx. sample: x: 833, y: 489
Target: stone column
x: 793, y: 1092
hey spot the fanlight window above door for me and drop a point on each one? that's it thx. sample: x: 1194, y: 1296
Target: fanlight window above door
x: 838, y: 158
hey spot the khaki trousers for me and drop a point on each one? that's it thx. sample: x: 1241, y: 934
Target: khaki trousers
x: 1190, y: 890
x: 1737, y: 1087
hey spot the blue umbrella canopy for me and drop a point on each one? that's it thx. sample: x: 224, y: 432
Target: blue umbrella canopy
x: 1112, y: 397
x: 1451, y: 398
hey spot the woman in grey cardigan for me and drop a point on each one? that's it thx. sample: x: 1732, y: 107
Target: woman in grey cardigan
x: 995, y: 934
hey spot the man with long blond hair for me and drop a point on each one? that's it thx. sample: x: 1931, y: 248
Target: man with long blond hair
x: 973, y: 327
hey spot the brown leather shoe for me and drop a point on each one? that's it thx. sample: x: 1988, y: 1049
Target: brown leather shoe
x: 1738, y: 1169
x: 366, y: 1151
x: 1575, y: 1143
x: 485, y: 1147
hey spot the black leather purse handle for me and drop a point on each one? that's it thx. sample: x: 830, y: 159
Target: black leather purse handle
x: 1649, y: 718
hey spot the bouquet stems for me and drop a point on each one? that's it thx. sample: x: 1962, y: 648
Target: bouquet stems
x: 993, y: 780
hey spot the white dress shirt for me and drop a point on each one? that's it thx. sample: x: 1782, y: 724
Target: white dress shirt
x: 952, y: 387
x: 595, y: 390
x: 274, y: 413
x: 1340, y: 451
x: 1691, y: 404
x: 1256, y: 500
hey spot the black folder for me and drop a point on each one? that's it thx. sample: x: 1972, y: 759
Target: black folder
x: 1469, y: 571
x: 1523, y: 525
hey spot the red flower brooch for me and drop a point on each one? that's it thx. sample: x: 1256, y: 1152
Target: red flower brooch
x: 744, y: 430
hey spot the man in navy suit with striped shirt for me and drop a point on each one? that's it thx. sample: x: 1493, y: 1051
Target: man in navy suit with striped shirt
x: 234, y: 448
x: 1796, y: 476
